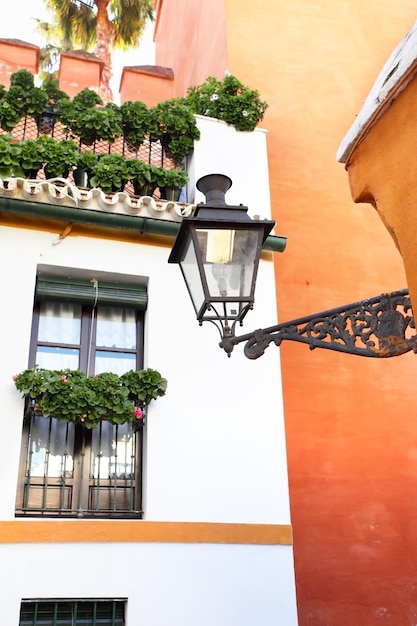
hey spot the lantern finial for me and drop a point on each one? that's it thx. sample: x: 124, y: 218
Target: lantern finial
x: 214, y: 187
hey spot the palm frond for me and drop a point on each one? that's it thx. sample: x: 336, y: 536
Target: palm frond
x: 74, y: 25
x: 129, y: 18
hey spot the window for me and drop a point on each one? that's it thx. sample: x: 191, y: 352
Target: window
x: 72, y: 613
x: 67, y: 470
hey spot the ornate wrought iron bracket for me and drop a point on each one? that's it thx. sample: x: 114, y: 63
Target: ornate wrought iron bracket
x: 377, y: 327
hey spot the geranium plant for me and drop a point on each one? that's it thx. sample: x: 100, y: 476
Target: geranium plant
x: 142, y: 177
x: 84, y: 168
x: 172, y: 183
x: 135, y: 123
x: 9, y: 157
x: 228, y: 100
x: 22, y: 99
x: 60, y: 157
x: 72, y: 396
x: 111, y: 173
x: 31, y: 158
x: 86, y: 117
x: 172, y: 122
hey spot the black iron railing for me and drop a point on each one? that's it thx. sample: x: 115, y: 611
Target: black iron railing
x: 149, y: 152
x: 72, y: 471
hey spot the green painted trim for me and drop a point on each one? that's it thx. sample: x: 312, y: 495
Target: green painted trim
x: 70, y: 289
x: 106, y: 219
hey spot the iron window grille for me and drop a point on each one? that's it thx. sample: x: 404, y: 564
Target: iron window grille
x: 72, y: 613
x: 71, y: 471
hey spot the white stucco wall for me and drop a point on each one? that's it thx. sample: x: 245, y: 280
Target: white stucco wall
x: 215, y: 442
x: 214, y: 448
x: 240, y: 155
x: 165, y: 584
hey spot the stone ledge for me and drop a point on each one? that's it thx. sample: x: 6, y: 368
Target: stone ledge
x: 396, y: 74
x: 58, y: 191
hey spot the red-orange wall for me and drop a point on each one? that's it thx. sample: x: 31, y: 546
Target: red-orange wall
x: 191, y: 39
x: 148, y: 83
x: 78, y: 71
x: 16, y: 55
x: 350, y: 422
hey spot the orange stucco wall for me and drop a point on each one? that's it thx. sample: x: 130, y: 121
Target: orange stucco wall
x: 148, y: 83
x: 16, y: 55
x: 380, y: 173
x: 191, y: 39
x: 78, y: 72
x: 350, y: 422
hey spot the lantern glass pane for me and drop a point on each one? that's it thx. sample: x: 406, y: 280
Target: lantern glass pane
x: 190, y: 270
x: 228, y: 257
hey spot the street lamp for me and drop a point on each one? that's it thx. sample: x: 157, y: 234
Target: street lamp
x: 218, y: 249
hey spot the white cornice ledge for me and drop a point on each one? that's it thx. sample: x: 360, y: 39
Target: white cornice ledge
x: 396, y: 74
x: 59, y: 191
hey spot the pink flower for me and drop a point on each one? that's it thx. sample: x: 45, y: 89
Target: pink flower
x: 138, y: 412
x: 64, y: 378
x: 16, y: 376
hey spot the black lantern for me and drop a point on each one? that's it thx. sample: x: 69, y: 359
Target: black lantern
x: 218, y: 250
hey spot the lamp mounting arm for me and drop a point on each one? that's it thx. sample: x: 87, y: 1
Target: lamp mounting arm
x: 376, y: 327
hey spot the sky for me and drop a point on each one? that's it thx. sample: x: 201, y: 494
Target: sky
x: 18, y: 22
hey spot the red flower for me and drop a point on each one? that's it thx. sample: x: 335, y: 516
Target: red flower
x: 138, y: 412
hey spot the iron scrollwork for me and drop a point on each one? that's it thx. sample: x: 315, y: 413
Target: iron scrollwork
x: 377, y: 327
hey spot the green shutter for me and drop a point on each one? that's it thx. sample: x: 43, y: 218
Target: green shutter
x: 68, y: 289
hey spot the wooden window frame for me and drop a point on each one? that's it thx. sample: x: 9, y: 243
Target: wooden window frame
x: 81, y: 486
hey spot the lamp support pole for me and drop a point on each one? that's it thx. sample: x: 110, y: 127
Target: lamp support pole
x: 375, y: 327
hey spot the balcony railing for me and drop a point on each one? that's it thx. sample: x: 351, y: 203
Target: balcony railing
x: 149, y: 152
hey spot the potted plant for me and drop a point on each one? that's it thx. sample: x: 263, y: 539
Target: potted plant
x: 60, y: 157
x: 172, y: 122
x: 72, y: 396
x: 31, y: 158
x: 87, y: 118
x: 228, y: 100
x: 22, y: 99
x: 45, y: 120
x: 171, y: 184
x: 143, y: 177
x: 9, y: 115
x: 9, y: 157
x: 111, y: 173
x: 84, y: 168
x: 135, y: 123
x: 158, y: 175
